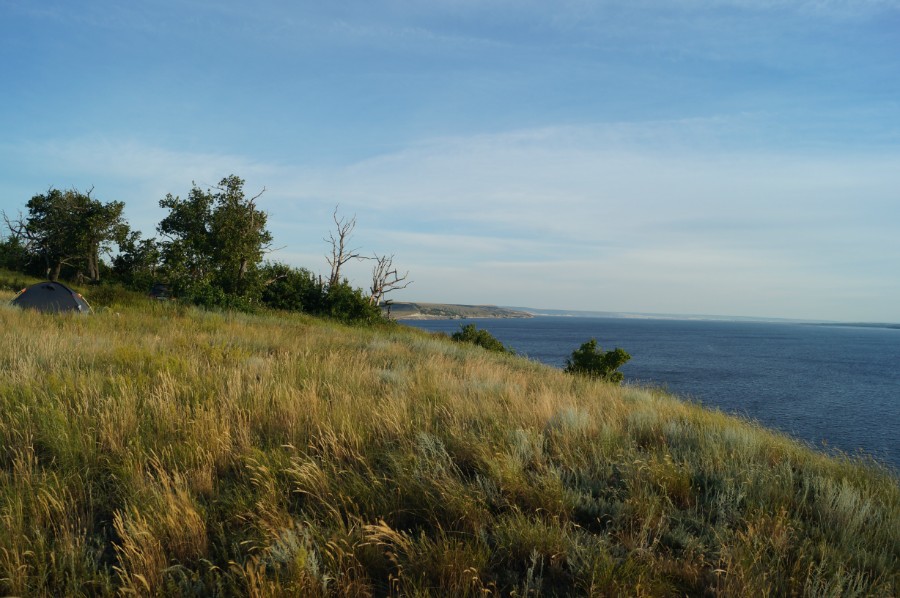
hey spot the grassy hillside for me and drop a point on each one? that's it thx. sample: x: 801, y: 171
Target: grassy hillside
x: 162, y: 450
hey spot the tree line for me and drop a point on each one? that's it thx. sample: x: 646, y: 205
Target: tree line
x: 211, y: 251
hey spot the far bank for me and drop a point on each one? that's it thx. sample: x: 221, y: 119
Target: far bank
x: 448, y: 311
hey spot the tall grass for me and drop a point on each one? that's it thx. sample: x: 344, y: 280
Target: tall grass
x: 162, y: 450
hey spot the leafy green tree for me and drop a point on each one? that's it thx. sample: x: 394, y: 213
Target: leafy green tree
x: 590, y: 360
x: 101, y: 226
x: 13, y: 254
x: 186, y: 250
x: 69, y: 229
x: 138, y: 262
x: 238, y: 229
x: 472, y: 334
x: 215, y: 238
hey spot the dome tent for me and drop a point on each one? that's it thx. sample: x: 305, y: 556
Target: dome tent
x: 51, y: 297
x: 161, y: 291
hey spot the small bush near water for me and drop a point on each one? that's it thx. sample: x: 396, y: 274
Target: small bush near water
x: 590, y: 360
x: 159, y: 451
x: 471, y: 334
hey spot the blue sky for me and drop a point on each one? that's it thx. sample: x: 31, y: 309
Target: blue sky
x: 676, y: 156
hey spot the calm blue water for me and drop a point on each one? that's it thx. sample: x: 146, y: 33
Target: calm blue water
x: 823, y: 384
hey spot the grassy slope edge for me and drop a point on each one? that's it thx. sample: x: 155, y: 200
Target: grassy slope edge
x: 170, y: 451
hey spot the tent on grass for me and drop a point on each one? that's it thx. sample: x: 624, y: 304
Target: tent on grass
x: 51, y: 297
x: 161, y: 291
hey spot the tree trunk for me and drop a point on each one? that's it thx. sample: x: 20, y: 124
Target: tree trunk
x: 54, y: 272
x: 93, y: 264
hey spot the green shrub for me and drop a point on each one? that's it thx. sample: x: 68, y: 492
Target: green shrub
x: 351, y: 306
x: 110, y: 294
x: 212, y: 296
x: 292, y: 289
x: 471, y: 334
x: 590, y: 360
x: 298, y: 289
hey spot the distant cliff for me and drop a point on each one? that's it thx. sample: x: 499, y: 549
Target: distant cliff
x: 445, y: 311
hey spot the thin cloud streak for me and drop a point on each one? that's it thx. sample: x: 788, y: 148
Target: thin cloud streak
x: 788, y: 217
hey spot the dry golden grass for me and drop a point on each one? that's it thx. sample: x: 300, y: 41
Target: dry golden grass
x: 163, y: 450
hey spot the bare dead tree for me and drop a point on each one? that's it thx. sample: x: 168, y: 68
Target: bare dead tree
x: 340, y: 251
x: 16, y: 226
x: 386, y: 278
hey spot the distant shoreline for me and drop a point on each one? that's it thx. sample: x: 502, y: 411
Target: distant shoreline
x: 452, y: 311
x: 449, y: 311
x: 860, y: 325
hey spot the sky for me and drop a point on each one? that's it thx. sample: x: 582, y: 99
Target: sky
x: 728, y: 157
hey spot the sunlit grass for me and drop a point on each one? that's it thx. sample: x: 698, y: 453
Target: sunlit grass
x: 159, y: 449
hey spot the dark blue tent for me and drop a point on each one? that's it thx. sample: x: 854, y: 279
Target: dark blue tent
x: 51, y: 297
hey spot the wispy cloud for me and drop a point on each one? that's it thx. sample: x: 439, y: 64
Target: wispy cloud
x: 135, y: 160
x: 703, y: 221
x: 126, y: 170
x: 827, y: 8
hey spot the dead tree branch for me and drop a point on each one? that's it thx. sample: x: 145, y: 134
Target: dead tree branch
x: 340, y: 252
x: 386, y: 278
